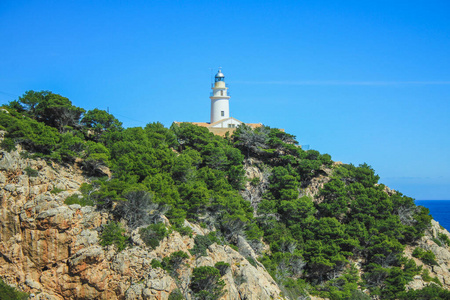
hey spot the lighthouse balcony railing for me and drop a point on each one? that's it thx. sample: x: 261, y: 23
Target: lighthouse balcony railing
x: 219, y: 95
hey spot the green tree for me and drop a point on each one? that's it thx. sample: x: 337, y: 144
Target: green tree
x: 31, y: 134
x: 114, y: 234
x: 206, y: 283
x: 174, y: 262
x: 96, y: 155
x: 98, y: 121
x: 53, y: 109
x: 30, y: 100
x: 251, y: 140
x: 223, y: 267
x: 153, y: 234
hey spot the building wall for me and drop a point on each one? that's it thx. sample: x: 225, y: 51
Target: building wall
x: 221, y: 131
x: 217, y: 106
x: 226, y: 123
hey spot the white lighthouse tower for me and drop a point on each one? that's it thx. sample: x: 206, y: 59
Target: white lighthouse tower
x: 220, y: 107
x: 221, y: 122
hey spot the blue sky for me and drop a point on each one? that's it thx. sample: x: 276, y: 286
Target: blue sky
x: 365, y: 81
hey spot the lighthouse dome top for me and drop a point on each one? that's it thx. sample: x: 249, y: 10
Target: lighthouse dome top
x: 220, y: 74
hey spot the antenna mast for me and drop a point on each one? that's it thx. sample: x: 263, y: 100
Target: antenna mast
x: 211, y: 75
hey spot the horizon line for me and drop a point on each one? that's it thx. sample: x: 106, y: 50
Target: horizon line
x: 336, y: 82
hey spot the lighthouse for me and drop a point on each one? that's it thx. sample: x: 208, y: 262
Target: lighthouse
x: 220, y: 107
x: 221, y: 122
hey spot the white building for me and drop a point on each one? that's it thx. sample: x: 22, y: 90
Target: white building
x: 221, y: 122
x: 220, y: 106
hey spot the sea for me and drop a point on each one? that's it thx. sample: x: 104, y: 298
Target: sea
x: 439, y: 209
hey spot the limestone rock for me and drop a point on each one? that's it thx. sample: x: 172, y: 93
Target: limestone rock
x: 442, y: 253
x: 52, y: 250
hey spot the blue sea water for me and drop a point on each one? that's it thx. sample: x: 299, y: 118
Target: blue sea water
x: 439, y: 209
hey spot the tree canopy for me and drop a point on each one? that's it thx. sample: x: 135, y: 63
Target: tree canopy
x: 186, y: 172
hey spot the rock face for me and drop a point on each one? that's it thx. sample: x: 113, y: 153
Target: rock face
x: 52, y: 250
x: 442, y: 253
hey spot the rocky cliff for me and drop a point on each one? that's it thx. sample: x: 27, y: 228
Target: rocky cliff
x: 439, y: 271
x: 52, y: 250
x: 441, y: 268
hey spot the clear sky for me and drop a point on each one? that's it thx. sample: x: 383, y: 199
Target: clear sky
x: 365, y: 81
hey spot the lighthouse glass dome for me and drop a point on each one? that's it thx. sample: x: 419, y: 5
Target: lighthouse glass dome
x: 219, y: 76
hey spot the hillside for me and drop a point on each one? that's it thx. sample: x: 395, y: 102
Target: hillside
x: 91, y: 210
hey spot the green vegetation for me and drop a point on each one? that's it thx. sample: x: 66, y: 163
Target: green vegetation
x: 427, y: 256
x: 176, y: 295
x: 223, y: 267
x: 153, y: 234
x: 156, y: 264
x: 76, y: 199
x: 202, y: 242
x: 84, y: 199
x: 56, y: 190
x: 252, y: 261
x: 206, y: 283
x: 113, y: 234
x: 427, y: 277
x: 184, y: 230
x: 50, y: 126
x: 31, y: 172
x: 430, y: 292
x: 443, y: 239
x: 9, y: 293
x: 174, y: 262
x: 186, y: 172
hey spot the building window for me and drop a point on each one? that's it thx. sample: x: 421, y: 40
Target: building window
x: 222, y: 113
x: 221, y: 93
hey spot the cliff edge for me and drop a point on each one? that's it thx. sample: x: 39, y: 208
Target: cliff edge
x: 52, y: 250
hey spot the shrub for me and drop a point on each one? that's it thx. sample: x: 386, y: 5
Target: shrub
x: 184, y: 230
x: 234, y: 247
x: 8, y: 144
x: 251, y: 261
x: 9, y: 293
x: 153, y: 234
x: 31, y: 172
x: 202, y: 242
x: 222, y: 267
x: 359, y: 295
x: 437, y: 241
x: 76, y: 199
x: 156, y: 264
x: 173, y: 262
x: 427, y: 277
x: 417, y: 252
x: 430, y: 291
x: 55, y: 191
x: 139, y: 209
x: 206, y: 283
x: 176, y: 295
x: 427, y: 256
x: 255, y: 181
x: 444, y: 238
x: 113, y: 234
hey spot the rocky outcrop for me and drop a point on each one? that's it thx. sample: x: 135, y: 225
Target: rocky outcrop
x: 52, y: 250
x: 258, y: 176
x: 442, y: 252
